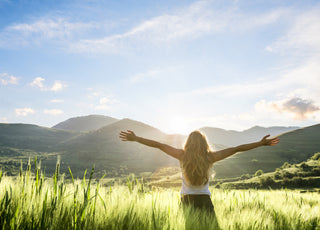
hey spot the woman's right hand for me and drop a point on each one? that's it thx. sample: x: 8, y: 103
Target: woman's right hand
x: 128, y: 136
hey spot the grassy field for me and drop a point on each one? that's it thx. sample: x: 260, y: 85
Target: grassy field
x: 34, y: 202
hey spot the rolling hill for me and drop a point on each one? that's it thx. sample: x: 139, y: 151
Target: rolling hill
x: 32, y: 137
x: 294, y: 146
x: 85, y: 123
x: 103, y: 148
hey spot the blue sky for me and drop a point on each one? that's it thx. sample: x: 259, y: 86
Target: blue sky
x: 176, y: 65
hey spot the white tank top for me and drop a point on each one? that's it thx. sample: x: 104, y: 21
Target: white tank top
x: 188, y: 189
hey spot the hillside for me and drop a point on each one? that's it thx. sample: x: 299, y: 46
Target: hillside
x: 305, y: 174
x: 104, y: 149
x: 32, y: 137
x: 85, y: 123
x: 233, y: 138
x: 294, y: 147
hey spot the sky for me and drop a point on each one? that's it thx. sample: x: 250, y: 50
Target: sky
x: 176, y: 65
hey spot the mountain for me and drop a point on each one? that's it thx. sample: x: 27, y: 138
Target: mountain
x: 294, y: 146
x: 85, y: 123
x: 233, y: 138
x: 104, y: 148
x: 32, y: 137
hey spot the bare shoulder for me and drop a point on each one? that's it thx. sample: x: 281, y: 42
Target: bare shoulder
x: 180, y: 154
x: 211, y: 156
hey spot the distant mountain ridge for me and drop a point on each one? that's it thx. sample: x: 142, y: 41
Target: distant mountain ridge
x: 85, y: 123
x: 294, y: 146
x: 103, y: 148
x: 234, y: 138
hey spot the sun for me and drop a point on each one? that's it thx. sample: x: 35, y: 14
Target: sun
x: 176, y: 125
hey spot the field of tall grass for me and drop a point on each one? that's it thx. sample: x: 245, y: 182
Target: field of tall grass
x: 31, y: 201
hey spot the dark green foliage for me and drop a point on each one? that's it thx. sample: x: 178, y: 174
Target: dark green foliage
x: 258, y: 173
x: 266, y: 181
x: 305, y: 167
x: 277, y: 176
x: 303, y: 175
x: 316, y: 171
x: 297, y: 181
x: 245, y: 176
x: 316, y: 156
x: 285, y: 165
x: 287, y: 174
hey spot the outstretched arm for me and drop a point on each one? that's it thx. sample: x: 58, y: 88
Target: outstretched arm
x: 222, y: 154
x: 131, y: 136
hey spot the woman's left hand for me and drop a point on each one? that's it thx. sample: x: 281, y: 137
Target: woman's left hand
x: 272, y: 141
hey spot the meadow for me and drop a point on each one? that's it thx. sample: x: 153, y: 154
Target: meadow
x: 32, y: 201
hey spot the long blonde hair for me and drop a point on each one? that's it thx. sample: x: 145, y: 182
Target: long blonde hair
x: 195, y: 163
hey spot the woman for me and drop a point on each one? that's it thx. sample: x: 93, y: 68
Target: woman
x: 196, y: 159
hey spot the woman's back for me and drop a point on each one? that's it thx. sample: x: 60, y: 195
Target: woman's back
x: 187, y: 188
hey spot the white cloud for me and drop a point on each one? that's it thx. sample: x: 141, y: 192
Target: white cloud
x: 7, y: 79
x: 45, y: 29
x: 105, y: 103
x: 301, y: 80
x: 38, y: 82
x: 199, y: 19
x: 246, y: 21
x: 195, y: 20
x: 291, y: 97
x: 57, y: 86
x: 53, y: 112
x: 303, y: 36
x: 300, y: 109
x: 24, y: 112
x: 94, y: 94
x: 57, y: 101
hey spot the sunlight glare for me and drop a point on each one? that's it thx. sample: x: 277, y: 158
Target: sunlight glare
x: 177, y: 125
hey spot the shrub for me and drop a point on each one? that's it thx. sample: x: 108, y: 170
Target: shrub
x: 304, y: 166
x: 287, y: 174
x: 285, y: 165
x: 316, y: 156
x: 258, y: 173
x: 316, y: 171
x: 297, y: 181
x: 266, y: 181
x: 245, y: 176
x: 285, y: 182
x: 277, y: 176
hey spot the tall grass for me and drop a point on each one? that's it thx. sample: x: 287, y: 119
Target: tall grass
x: 31, y: 201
